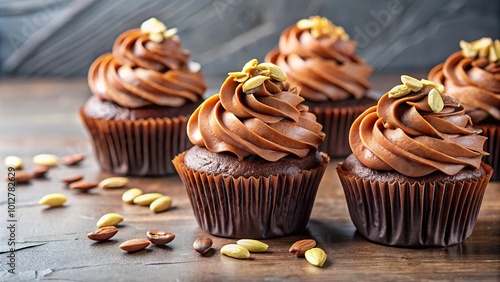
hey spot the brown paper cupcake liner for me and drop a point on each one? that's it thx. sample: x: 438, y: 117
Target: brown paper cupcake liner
x: 414, y: 214
x: 257, y: 208
x: 492, y: 131
x: 142, y: 147
x: 336, y: 124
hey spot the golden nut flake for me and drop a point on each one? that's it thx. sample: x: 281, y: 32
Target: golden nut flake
x: 484, y: 48
x: 254, y: 74
x: 321, y: 26
x: 435, y: 100
x: 157, y: 30
x: 411, y: 84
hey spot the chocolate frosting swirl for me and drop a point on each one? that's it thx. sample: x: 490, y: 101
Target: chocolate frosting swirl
x: 141, y: 72
x: 325, y: 68
x: 405, y: 135
x: 268, y: 121
x: 474, y: 81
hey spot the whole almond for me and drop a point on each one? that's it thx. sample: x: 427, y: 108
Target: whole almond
x: 253, y: 245
x: 53, y: 200
x: 109, y: 219
x: 135, y: 245
x: 48, y: 160
x: 159, y: 237
x: 129, y: 195
x: 113, y: 182
x: 146, y: 199
x: 83, y: 186
x: 72, y: 160
x: 71, y: 178
x: 103, y: 233
x: 21, y: 177
x: 13, y: 161
x: 202, y: 245
x: 161, y: 204
x: 39, y: 171
x: 300, y: 247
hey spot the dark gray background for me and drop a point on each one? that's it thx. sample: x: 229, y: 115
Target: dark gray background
x: 61, y: 38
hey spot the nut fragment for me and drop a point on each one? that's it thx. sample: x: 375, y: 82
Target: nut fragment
x: 53, y: 200
x: 160, y: 237
x: 129, y: 195
x: 20, y: 176
x: 412, y: 83
x: 170, y: 32
x: 435, y: 101
x: 113, y: 182
x: 253, y: 245
x: 83, y: 186
x: 146, y: 199
x: 47, y: 160
x: 316, y: 257
x: 39, y: 171
x: 109, y: 219
x: 72, y: 160
x: 103, y: 233
x: 254, y: 82
x: 135, y: 245
x: 161, y: 204
x: 467, y: 49
x: 13, y: 161
x: 272, y: 70
x: 438, y: 86
x: 71, y: 178
x: 202, y: 245
x: 399, y: 91
x: 300, y: 247
x: 235, y: 251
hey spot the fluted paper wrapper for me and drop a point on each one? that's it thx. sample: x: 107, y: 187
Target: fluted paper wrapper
x: 492, y: 131
x: 336, y: 124
x: 416, y: 214
x: 142, y: 147
x: 257, y: 208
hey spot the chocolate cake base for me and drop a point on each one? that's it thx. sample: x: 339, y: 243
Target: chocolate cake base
x: 396, y: 210
x: 254, y: 207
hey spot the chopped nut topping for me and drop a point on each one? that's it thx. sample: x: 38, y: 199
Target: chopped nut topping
x: 254, y: 74
x: 157, y: 30
x: 484, y: 48
x: 321, y: 26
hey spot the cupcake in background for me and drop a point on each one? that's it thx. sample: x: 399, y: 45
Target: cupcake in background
x: 472, y: 76
x: 144, y: 92
x: 415, y: 178
x: 319, y: 58
x: 255, y: 168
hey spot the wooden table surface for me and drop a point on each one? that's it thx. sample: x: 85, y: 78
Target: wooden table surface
x: 40, y: 116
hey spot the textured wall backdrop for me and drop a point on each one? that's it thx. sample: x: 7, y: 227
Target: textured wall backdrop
x: 60, y: 38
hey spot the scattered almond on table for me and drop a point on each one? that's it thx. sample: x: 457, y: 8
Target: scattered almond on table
x: 202, y: 245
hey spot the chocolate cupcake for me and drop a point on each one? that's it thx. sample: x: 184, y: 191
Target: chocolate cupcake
x: 255, y: 168
x: 472, y: 76
x: 318, y: 57
x: 144, y: 92
x: 415, y: 178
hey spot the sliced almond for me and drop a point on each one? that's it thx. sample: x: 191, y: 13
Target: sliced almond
x: 435, y: 101
x: 399, y: 91
x: 254, y: 82
x: 13, y: 161
x: 53, y: 200
x: 47, y: 160
x: 113, y: 182
x: 412, y: 83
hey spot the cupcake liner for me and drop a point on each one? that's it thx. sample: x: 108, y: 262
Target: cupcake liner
x: 414, y: 214
x: 336, y: 124
x: 142, y: 147
x: 492, y: 131
x: 257, y: 208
